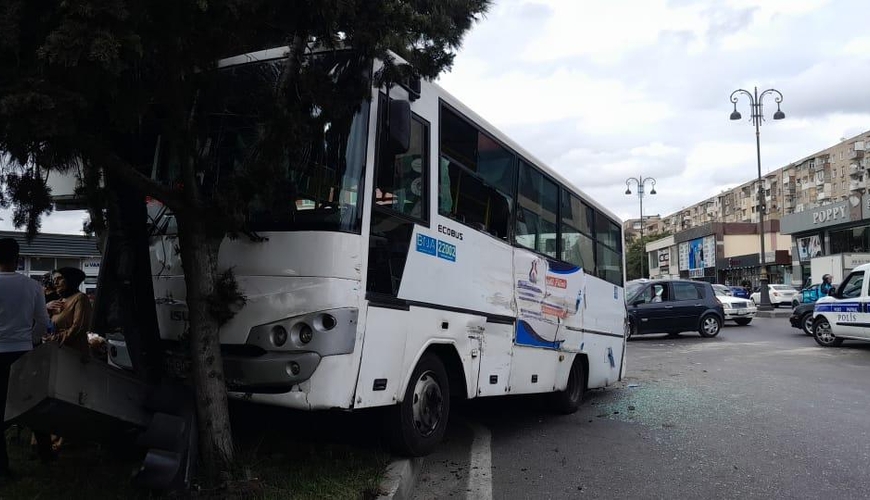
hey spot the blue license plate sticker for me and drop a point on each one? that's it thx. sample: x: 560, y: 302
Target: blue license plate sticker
x: 426, y: 244
x: 446, y: 251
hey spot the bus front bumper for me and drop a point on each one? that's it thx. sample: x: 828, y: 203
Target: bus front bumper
x: 272, y: 372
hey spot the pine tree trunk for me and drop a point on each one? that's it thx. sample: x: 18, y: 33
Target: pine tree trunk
x: 199, y: 254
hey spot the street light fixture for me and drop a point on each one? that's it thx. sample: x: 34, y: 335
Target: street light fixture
x: 755, y: 105
x: 640, y: 181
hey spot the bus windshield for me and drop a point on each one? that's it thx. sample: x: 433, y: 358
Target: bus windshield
x: 317, y: 184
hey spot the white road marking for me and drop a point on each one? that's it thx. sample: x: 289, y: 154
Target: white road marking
x: 480, y: 465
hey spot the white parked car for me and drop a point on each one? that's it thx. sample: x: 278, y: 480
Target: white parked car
x: 739, y: 310
x: 845, y: 313
x: 779, y: 295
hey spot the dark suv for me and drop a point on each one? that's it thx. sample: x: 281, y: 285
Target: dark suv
x: 672, y: 306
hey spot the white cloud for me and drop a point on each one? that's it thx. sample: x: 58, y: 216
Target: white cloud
x: 605, y: 31
x: 607, y: 90
x: 859, y: 46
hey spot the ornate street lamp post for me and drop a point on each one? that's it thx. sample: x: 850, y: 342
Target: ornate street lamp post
x: 755, y: 105
x: 640, y: 181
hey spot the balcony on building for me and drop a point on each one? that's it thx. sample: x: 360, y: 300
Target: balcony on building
x: 856, y: 184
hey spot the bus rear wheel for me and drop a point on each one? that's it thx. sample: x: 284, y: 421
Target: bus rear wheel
x: 418, y: 423
x: 569, y: 400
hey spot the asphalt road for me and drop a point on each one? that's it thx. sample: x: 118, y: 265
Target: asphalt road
x: 760, y: 411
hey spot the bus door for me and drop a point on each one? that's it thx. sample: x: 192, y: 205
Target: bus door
x: 399, y: 202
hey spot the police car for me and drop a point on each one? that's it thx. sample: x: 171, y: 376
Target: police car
x: 845, y: 314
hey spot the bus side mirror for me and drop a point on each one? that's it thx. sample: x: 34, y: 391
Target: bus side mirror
x: 400, y: 126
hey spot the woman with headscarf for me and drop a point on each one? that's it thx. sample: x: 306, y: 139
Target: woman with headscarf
x: 71, y: 314
x: 70, y: 318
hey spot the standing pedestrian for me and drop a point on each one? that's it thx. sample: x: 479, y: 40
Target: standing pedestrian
x: 71, y: 313
x: 23, y: 321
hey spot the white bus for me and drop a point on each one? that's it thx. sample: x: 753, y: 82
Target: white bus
x: 413, y: 260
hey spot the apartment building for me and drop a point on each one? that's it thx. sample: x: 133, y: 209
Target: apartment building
x: 828, y: 176
x: 837, y: 175
x: 651, y: 225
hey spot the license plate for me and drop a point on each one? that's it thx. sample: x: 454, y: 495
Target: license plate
x: 741, y: 312
x: 177, y: 366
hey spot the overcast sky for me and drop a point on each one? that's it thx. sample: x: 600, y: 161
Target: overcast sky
x: 605, y: 90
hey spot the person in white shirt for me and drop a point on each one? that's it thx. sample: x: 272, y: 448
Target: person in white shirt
x: 23, y: 322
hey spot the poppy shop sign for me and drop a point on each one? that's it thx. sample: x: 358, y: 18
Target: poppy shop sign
x: 827, y: 215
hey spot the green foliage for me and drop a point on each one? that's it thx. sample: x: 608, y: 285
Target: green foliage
x: 27, y: 185
x: 95, y: 82
x: 227, y: 299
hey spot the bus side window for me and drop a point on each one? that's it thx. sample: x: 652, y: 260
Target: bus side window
x: 578, y: 247
x: 474, y: 203
x: 537, y: 200
x: 608, y: 251
x: 476, y: 177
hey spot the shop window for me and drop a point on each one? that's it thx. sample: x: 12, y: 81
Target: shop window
x: 42, y: 264
x: 850, y: 240
x: 76, y: 263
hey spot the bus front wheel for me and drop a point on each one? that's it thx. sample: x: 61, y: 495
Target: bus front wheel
x: 420, y: 420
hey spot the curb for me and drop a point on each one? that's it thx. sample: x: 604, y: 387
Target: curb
x: 400, y: 479
x: 773, y: 314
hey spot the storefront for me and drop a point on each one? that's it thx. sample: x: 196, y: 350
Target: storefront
x: 832, y: 229
x: 697, y: 258
x: 662, y: 258
x: 722, y: 253
x: 737, y: 270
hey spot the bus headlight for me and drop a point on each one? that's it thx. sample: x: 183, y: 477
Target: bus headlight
x: 305, y: 333
x: 327, y: 321
x: 279, y: 335
x: 328, y: 333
